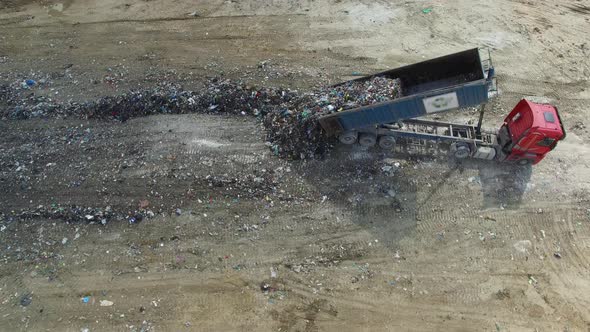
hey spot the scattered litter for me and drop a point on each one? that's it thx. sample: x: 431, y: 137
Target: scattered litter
x: 557, y: 255
x: 426, y: 10
x: 86, y: 299
x: 71, y: 214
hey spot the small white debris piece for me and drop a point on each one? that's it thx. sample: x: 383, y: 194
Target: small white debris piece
x: 106, y: 303
x: 64, y: 240
x: 523, y: 246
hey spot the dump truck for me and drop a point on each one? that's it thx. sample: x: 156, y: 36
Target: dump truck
x: 459, y: 81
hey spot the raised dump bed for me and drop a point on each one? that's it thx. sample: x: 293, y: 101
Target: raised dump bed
x: 450, y: 82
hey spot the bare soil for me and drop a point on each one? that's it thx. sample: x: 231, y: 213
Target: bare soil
x: 243, y: 240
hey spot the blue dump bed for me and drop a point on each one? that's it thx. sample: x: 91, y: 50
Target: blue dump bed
x: 450, y: 82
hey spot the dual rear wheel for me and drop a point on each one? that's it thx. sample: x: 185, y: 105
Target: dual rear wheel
x: 460, y: 150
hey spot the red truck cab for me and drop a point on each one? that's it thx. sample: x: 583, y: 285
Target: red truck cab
x: 529, y: 132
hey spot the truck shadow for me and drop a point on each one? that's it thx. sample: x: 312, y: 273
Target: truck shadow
x: 502, y: 184
x: 374, y: 197
x: 385, y: 200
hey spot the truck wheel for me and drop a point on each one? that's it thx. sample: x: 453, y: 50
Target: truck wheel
x: 367, y: 140
x: 460, y: 150
x: 524, y: 162
x: 386, y: 142
x: 348, y: 137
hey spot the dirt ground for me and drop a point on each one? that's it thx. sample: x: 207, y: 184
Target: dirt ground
x: 243, y: 240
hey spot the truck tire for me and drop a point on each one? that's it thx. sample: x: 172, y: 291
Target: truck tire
x: 349, y: 137
x: 367, y: 140
x: 460, y: 150
x: 386, y: 142
x: 524, y: 162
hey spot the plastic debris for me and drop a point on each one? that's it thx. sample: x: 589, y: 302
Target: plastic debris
x: 86, y: 299
x: 532, y: 280
x: 106, y: 303
x: 26, y: 300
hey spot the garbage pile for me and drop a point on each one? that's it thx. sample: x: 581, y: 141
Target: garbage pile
x: 290, y: 118
x: 219, y: 96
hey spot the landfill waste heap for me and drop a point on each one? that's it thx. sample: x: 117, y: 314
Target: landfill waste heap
x: 290, y: 118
